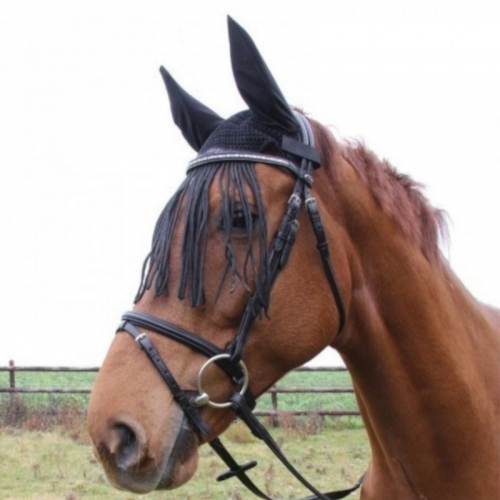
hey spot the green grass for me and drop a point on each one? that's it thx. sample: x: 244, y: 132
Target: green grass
x: 310, y: 401
x: 62, y: 380
x: 52, y: 466
x: 50, y: 380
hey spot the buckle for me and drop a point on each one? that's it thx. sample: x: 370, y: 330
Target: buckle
x: 140, y: 337
x: 309, y: 179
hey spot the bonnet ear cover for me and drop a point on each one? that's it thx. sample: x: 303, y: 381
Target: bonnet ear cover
x: 195, y: 120
x: 256, y: 83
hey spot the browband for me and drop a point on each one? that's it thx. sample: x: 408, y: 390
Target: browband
x: 206, y: 159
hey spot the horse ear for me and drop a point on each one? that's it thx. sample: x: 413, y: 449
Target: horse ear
x: 256, y: 83
x: 195, y: 120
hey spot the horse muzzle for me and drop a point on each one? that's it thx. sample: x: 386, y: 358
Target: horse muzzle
x: 132, y: 463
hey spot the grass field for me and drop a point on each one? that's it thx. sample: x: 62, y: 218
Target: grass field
x: 58, y: 463
x: 54, y: 466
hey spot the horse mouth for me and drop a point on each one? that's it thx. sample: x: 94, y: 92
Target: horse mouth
x: 183, y: 460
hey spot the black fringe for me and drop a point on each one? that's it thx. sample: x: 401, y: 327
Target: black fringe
x: 193, y: 197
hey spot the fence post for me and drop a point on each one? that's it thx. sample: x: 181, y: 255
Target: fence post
x: 12, y: 374
x: 274, y: 403
x: 12, y: 378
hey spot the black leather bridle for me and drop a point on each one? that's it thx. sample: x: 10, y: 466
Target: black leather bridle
x: 230, y: 360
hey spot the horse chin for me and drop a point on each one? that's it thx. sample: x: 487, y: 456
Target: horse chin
x: 182, y: 462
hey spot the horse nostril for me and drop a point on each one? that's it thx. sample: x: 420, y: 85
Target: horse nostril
x: 125, y: 446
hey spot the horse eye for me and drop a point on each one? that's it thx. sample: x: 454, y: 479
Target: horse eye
x: 239, y: 221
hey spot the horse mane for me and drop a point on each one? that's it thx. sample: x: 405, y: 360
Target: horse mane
x: 396, y: 194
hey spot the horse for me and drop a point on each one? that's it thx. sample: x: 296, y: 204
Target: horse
x: 265, y: 286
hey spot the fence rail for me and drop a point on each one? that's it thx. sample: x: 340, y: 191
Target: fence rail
x: 12, y: 369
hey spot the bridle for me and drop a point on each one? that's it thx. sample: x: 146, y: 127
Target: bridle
x: 230, y: 360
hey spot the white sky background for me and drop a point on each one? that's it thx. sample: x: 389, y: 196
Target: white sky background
x: 89, y: 154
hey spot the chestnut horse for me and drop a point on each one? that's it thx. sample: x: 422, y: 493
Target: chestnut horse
x: 423, y: 353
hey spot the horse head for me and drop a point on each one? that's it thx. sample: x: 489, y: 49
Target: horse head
x: 211, y: 264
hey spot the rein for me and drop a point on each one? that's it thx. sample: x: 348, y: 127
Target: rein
x: 230, y: 360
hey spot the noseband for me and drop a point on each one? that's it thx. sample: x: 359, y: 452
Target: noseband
x: 230, y: 361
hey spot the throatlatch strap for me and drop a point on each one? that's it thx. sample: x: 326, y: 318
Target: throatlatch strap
x: 324, y: 251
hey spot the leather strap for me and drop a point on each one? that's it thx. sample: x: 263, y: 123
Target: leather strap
x: 182, y: 336
x: 301, y: 150
x: 260, y: 432
x: 179, y: 395
x: 281, y: 241
x: 239, y: 471
x: 222, y: 156
x: 324, y: 251
x: 286, y: 234
x: 236, y: 470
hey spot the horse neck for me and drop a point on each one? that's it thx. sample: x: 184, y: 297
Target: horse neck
x: 421, y: 351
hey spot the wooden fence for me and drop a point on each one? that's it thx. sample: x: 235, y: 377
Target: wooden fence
x: 12, y: 369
